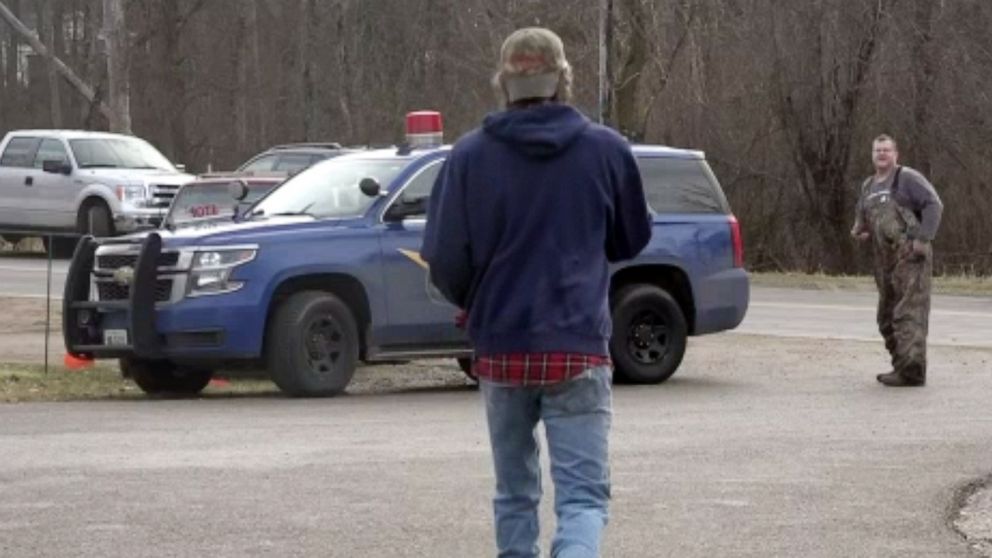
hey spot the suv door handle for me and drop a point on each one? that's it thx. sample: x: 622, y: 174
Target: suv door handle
x: 29, y: 181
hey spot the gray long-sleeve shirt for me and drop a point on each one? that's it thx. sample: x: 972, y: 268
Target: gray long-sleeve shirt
x: 914, y: 193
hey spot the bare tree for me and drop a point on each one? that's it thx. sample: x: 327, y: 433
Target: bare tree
x: 924, y: 79
x: 308, y: 51
x: 32, y: 39
x: 116, y: 49
x: 784, y: 98
x: 10, y: 74
x: 818, y: 108
x: 649, y: 42
x: 172, y: 22
x: 52, y: 14
x: 631, y: 70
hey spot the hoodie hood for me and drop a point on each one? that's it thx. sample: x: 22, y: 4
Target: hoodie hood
x: 541, y: 131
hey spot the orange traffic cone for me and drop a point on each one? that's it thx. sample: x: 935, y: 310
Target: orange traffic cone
x: 76, y: 362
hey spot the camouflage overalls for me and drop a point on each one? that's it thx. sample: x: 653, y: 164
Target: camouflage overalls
x: 903, y: 280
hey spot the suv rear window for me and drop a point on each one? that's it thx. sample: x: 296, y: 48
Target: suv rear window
x: 199, y: 200
x: 681, y: 186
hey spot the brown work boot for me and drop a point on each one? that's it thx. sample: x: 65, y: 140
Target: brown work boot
x: 895, y: 379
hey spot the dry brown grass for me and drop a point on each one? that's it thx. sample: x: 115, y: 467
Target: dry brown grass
x: 952, y: 285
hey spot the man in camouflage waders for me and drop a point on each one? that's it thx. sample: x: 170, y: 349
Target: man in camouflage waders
x: 900, y: 211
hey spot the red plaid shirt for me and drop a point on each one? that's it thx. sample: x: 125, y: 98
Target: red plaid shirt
x: 534, y: 369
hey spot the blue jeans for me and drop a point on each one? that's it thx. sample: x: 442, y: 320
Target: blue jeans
x: 576, y: 416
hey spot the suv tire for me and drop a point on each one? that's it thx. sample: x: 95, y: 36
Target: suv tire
x: 649, y: 334
x: 161, y: 377
x: 312, y: 345
x: 465, y: 363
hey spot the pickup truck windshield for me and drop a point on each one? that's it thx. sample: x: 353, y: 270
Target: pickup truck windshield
x: 329, y: 189
x: 122, y: 153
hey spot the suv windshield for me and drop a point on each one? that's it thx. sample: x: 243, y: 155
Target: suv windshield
x: 125, y: 153
x: 329, y: 189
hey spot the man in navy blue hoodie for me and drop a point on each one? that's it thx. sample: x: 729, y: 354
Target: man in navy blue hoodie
x: 524, y: 218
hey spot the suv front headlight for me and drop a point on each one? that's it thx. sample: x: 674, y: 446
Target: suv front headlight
x: 211, y: 271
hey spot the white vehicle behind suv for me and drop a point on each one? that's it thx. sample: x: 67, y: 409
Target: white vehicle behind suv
x: 82, y: 182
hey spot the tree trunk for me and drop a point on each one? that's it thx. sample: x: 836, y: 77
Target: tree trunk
x: 10, y: 76
x: 606, y: 48
x: 116, y: 48
x: 924, y: 77
x: 308, y: 27
x: 254, y: 37
x: 175, y: 85
x: 96, y: 65
x: 51, y: 26
x: 344, y: 62
x: 241, y: 61
x: 628, y: 81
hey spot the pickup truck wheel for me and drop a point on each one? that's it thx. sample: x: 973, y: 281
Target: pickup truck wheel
x: 312, y: 345
x: 161, y: 377
x: 95, y: 219
x: 466, y: 365
x: 649, y: 334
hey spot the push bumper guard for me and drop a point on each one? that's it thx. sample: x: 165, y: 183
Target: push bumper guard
x: 82, y: 329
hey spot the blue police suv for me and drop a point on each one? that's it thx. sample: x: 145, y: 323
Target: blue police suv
x: 325, y: 271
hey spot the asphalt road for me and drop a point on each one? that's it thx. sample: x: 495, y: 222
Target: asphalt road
x: 28, y: 277
x: 758, y: 447
x: 954, y: 320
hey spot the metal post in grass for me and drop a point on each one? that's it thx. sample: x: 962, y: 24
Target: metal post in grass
x: 48, y: 297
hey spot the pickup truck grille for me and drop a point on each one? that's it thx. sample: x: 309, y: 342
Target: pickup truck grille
x: 115, y: 261
x: 162, y: 194
x: 109, y: 290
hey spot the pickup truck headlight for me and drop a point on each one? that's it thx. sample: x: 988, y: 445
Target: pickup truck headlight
x: 211, y: 272
x: 134, y: 194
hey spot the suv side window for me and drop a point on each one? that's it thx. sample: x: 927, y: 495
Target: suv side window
x: 419, y: 188
x: 20, y: 152
x: 674, y: 185
x: 50, y: 150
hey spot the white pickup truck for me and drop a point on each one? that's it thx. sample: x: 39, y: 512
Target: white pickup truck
x: 82, y: 182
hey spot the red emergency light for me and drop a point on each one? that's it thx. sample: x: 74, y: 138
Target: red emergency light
x: 424, y: 129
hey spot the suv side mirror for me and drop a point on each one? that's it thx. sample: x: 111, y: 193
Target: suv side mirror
x: 55, y: 166
x: 181, y: 167
x: 238, y: 189
x: 370, y: 187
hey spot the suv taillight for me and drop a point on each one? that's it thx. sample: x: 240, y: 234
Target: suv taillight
x: 735, y: 236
